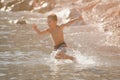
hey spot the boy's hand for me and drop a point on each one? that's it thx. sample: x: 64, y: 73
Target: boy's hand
x: 34, y: 26
x: 80, y: 18
x: 39, y: 31
x: 98, y: 1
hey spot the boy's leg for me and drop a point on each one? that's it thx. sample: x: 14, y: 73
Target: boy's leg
x: 61, y: 54
x: 64, y: 56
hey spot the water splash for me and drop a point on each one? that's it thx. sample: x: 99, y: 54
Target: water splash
x: 57, y: 62
x: 82, y: 59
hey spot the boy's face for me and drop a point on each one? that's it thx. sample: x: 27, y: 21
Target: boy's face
x: 51, y: 22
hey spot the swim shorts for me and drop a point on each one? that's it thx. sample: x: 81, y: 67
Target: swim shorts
x: 61, y: 48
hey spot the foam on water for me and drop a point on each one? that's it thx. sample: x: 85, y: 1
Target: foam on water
x: 21, y: 52
x: 80, y: 58
x: 2, y: 74
x: 55, y: 61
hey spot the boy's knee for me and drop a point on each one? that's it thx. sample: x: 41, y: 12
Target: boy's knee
x: 57, y: 57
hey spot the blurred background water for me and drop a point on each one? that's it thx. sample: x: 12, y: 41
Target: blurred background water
x: 24, y: 55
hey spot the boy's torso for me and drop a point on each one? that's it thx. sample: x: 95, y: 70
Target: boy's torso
x: 57, y: 35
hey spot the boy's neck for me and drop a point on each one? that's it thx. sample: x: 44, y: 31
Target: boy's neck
x: 54, y: 26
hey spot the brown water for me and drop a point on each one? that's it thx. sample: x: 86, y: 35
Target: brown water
x: 24, y: 55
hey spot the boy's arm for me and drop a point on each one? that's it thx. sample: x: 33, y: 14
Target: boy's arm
x: 38, y: 31
x: 90, y: 5
x: 70, y: 22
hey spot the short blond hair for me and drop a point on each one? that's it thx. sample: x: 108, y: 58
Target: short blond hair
x: 53, y: 17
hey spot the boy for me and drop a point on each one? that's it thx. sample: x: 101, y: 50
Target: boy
x: 56, y: 32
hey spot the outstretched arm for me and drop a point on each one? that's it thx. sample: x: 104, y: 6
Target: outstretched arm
x: 38, y: 31
x: 90, y: 5
x: 35, y: 3
x: 71, y: 21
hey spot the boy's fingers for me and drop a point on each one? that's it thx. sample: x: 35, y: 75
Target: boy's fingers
x: 33, y: 25
x: 98, y: 1
x: 80, y: 17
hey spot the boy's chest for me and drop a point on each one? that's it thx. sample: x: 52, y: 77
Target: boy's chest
x: 57, y: 32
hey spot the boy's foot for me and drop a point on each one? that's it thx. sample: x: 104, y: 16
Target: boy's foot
x: 74, y: 59
x: 64, y: 56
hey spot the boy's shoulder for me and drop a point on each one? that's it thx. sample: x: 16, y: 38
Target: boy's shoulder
x: 60, y: 26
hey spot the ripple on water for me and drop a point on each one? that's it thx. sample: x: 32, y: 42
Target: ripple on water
x: 2, y: 74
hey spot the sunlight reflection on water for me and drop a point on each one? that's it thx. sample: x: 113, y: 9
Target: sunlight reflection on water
x: 24, y: 55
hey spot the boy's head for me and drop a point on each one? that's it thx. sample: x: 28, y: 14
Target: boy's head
x: 52, y: 20
x: 52, y: 17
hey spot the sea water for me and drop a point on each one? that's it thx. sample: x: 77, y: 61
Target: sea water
x: 24, y: 55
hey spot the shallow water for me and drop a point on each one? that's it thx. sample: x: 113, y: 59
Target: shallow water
x: 24, y: 55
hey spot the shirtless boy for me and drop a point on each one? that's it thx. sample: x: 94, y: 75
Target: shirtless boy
x: 56, y: 32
